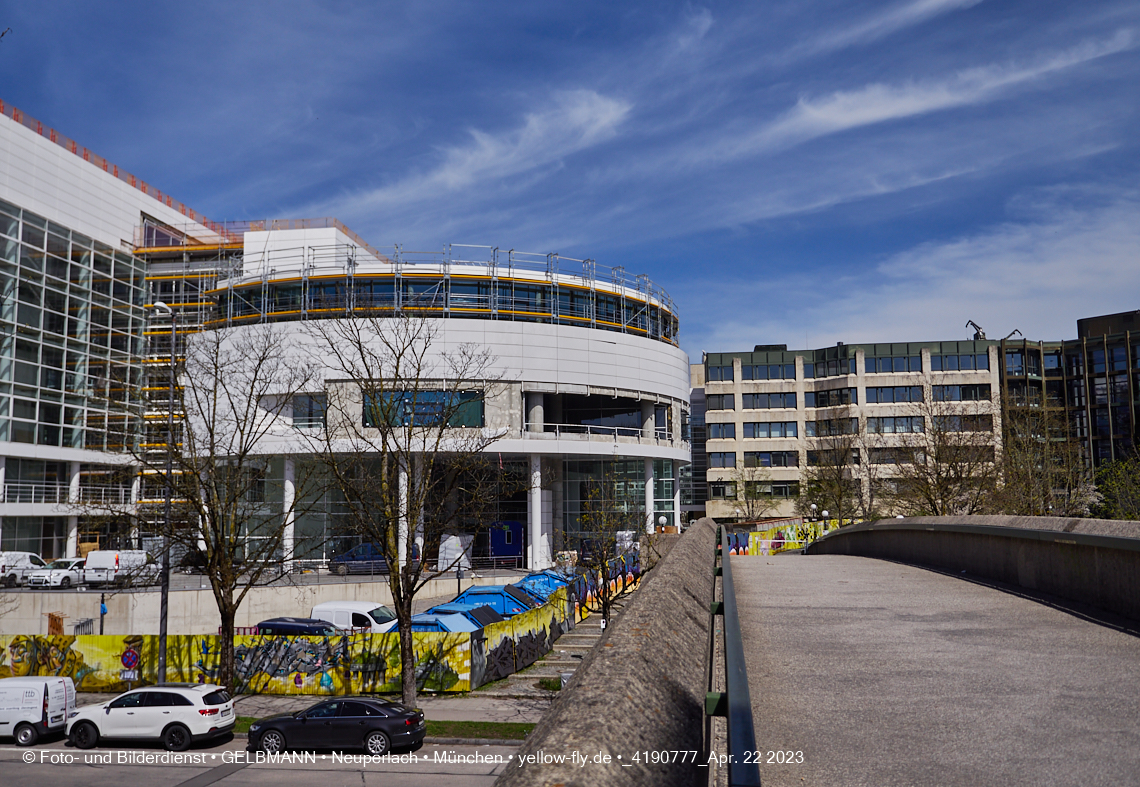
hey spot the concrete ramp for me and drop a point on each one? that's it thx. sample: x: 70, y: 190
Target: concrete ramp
x: 887, y: 674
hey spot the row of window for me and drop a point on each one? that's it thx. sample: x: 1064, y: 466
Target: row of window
x: 721, y: 459
x: 726, y: 490
x: 831, y: 427
x: 959, y: 363
x: 841, y: 366
x: 894, y: 394
x: 725, y: 374
x: 835, y: 397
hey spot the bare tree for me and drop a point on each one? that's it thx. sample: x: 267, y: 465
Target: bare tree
x: 948, y: 468
x: 229, y: 500
x: 612, y: 526
x: 754, y: 498
x: 1044, y: 469
x: 404, y: 449
x: 831, y: 479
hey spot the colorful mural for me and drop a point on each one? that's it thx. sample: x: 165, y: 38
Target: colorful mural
x: 783, y: 538
x: 357, y: 663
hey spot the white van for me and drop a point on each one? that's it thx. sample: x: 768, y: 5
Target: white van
x: 15, y: 567
x: 367, y: 615
x: 31, y: 707
x: 120, y: 567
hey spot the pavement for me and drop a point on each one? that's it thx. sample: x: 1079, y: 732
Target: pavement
x: 869, y: 672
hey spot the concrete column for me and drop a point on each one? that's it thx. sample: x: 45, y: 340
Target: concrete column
x: 648, y: 421
x: 288, y: 509
x: 535, y: 412
x: 73, y: 482
x: 3, y: 473
x: 72, y: 547
x: 402, y: 526
x: 650, y: 525
x: 677, y: 495
x: 534, y: 548
x: 418, y: 464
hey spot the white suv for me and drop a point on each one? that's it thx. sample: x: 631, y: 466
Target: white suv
x: 63, y: 573
x: 175, y: 713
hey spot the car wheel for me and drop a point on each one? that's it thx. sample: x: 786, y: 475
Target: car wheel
x: 341, y: 569
x: 84, y: 735
x: 10, y: 581
x: 376, y: 743
x: 26, y: 735
x: 272, y: 742
x: 65, y: 582
x: 176, y: 738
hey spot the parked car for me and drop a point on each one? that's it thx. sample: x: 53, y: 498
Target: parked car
x: 193, y: 562
x: 175, y: 713
x: 35, y: 706
x: 292, y: 627
x: 367, y: 615
x: 352, y: 722
x: 63, y: 573
x: 15, y: 567
x: 120, y: 567
x: 361, y: 559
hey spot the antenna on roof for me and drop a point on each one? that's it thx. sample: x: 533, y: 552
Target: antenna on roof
x: 978, y: 332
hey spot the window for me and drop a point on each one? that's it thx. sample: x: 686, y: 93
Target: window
x: 961, y: 393
x: 323, y: 711
x: 895, y: 394
x: 831, y: 427
x: 722, y: 459
x: 896, y: 425
x: 956, y: 363
x: 1052, y: 364
x: 762, y: 430
x: 771, y: 458
x: 833, y: 457
x: 783, y: 489
x: 722, y: 490
x: 964, y: 423
x: 722, y: 431
x: 1014, y: 364
x: 773, y: 401
x: 1117, y: 359
x: 717, y: 374
x: 832, y: 368
x: 833, y: 398
x: 424, y: 408
x: 892, y: 456
x: 134, y: 700
x: 357, y: 709
x: 720, y: 402
x: 309, y: 411
x: 786, y: 371
x: 911, y: 363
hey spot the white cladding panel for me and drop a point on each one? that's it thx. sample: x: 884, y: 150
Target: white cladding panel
x: 45, y: 178
x: 563, y: 357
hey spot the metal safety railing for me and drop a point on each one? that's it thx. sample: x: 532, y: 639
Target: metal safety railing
x: 735, y: 702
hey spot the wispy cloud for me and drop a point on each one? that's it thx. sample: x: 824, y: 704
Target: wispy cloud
x: 576, y: 120
x: 879, y: 103
x: 878, y: 26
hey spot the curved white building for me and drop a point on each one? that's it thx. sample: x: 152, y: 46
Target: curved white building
x: 593, y: 380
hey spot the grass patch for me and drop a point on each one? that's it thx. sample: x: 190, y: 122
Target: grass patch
x: 498, y: 730
x: 241, y: 724
x: 550, y: 684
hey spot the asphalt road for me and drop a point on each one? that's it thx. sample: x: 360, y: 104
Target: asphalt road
x: 228, y: 765
x: 866, y: 672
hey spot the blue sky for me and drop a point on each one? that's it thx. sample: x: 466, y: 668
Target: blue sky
x: 791, y: 172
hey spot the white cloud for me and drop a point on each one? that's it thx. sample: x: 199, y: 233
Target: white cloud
x: 1037, y: 275
x: 878, y: 103
x: 577, y: 120
x: 879, y: 25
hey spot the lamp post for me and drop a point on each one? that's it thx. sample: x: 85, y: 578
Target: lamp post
x: 164, y: 594
x: 813, y: 510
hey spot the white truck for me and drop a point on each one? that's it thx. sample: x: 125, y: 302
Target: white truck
x: 362, y: 615
x: 120, y: 567
x: 35, y: 706
x: 15, y: 567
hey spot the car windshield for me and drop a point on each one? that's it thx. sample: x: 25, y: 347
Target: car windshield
x: 382, y: 615
x: 59, y: 564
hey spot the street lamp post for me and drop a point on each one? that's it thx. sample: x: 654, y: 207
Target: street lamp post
x: 164, y: 595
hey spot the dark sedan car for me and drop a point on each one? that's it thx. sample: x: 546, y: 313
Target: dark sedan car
x: 374, y: 725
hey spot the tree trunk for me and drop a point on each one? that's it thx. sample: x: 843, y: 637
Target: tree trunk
x: 226, y: 646
x: 407, y: 662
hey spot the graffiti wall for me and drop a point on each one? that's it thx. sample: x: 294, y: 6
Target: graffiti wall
x: 620, y: 572
x: 296, y: 665
x: 784, y: 537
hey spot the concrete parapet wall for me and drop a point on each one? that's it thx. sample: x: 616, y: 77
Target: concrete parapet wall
x: 642, y: 688
x: 194, y: 611
x: 1090, y: 561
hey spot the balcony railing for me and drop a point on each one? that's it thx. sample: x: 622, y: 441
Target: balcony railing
x: 32, y: 492
x: 578, y: 431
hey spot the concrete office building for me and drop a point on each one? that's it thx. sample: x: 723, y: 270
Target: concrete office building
x: 771, y: 412
x: 596, y: 384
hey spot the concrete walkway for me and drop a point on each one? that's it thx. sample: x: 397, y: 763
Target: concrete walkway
x: 885, y: 674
